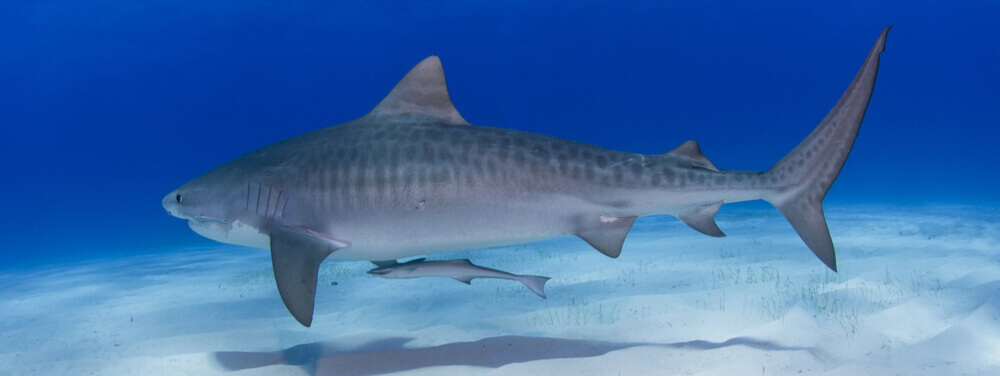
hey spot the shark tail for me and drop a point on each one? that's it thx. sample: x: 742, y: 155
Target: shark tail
x: 534, y: 283
x: 802, y: 178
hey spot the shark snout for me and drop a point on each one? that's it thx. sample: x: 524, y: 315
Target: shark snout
x: 171, y: 203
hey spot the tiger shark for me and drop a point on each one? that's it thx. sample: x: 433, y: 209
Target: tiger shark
x: 413, y: 177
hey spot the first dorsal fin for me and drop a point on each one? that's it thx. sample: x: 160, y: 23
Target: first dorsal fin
x: 421, y: 93
x: 692, y: 152
x: 414, y: 261
x: 385, y: 263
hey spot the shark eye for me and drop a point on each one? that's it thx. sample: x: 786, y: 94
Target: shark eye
x: 178, y: 197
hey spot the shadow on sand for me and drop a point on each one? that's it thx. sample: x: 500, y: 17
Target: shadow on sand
x: 391, y: 355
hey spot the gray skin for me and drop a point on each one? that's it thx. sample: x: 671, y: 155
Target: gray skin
x: 460, y: 270
x: 413, y: 177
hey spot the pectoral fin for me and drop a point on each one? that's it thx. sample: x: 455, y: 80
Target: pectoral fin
x: 296, y: 255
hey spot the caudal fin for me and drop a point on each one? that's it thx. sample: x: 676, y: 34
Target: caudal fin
x: 535, y: 283
x: 803, y: 177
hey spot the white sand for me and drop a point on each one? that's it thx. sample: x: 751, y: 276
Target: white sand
x: 918, y: 293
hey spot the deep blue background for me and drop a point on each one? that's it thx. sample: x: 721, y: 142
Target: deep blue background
x: 107, y: 106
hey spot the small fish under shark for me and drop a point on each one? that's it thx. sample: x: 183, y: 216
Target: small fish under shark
x: 460, y: 270
x: 413, y: 177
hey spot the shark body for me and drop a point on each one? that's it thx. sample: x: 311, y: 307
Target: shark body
x: 460, y: 270
x: 413, y: 177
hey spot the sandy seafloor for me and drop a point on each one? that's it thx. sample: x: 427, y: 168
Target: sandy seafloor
x: 918, y: 293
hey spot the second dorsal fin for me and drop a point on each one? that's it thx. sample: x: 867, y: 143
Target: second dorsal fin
x: 692, y: 152
x: 421, y: 93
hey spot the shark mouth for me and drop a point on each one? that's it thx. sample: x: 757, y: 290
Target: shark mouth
x: 205, y: 219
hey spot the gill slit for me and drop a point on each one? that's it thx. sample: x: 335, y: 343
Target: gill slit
x: 277, y: 201
x: 268, y: 204
x: 256, y: 208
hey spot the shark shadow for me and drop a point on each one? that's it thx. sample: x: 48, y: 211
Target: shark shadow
x: 390, y: 354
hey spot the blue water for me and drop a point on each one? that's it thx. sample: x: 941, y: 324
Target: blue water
x: 107, y: 106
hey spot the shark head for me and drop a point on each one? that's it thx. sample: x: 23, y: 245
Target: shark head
x: 224, y: 209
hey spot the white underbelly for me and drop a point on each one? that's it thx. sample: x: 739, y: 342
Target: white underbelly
x: 237, y: 232
x: 379, y: 237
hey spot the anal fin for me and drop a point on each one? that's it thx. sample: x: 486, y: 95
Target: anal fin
x: 702, y: 218
x: 295, y: 257
x: 606, y: 234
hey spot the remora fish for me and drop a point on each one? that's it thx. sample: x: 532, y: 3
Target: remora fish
x: 460, y: 270
x: 413, y: 177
